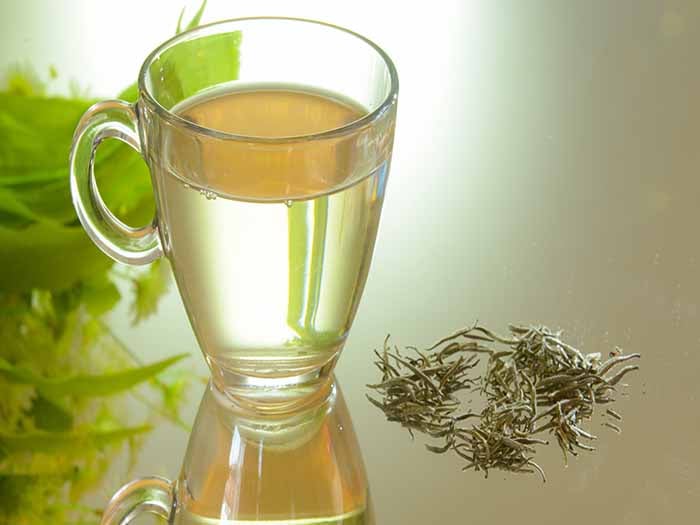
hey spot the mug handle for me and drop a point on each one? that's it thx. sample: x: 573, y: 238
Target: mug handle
x: 152, y: 495
x: 109, y: 119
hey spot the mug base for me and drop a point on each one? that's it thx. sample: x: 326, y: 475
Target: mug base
x: 273, y: 393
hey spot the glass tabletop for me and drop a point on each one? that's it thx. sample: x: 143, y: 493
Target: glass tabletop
x: 544, y: 172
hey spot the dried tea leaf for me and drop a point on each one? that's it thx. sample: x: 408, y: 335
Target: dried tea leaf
x: 538, y: 384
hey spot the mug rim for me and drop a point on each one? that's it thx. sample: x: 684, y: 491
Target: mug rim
x: 347, y: 129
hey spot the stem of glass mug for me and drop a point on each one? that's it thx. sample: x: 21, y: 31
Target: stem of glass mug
x: 152, y: 495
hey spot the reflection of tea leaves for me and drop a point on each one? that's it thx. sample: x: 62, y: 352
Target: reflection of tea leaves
x: 85, y: 385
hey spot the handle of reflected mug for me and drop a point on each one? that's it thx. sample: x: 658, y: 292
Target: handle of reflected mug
x: 109, y: 119
x: 146, y: 495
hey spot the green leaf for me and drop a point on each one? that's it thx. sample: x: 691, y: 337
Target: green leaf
x: 41, y: 252
x: 125, y: 183
x: 33, y: 176
x: 194, y: 22
x: 173, y: 385
x: 149, y: 286
x: 22, y: 79
x: 177, y: 76
x: 85, y: 385
x: 197, y: 17
x: 54, y: 285
x: 130, y: 94
x: 47, y: 200
x: 41, y: 244
x: 46, y: 255
x: 36, y: 131
x: 99, y: 294
x: 51, y: 416
x: 178, y: 29
x: 55, y: 442
x: 37, y: 134
x: 15, y: 211
x: 14, y: 490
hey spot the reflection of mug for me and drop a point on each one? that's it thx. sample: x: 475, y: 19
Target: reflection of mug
x: 270, y: 237
x: 299, y: 468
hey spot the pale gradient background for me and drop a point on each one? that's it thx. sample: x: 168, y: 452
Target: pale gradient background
x: 546, y: 170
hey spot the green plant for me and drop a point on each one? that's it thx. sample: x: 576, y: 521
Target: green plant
x: 63, y: 374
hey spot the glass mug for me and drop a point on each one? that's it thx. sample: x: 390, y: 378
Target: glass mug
x: 270, y: 238
x: 286, y: 468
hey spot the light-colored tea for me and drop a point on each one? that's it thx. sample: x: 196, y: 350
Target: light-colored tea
x: 292, y: 468
x: 271, y: 250
x: 345, y: 519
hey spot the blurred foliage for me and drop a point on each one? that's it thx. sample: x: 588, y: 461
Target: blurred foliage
x: 63, y: 374
x: 62, y: 420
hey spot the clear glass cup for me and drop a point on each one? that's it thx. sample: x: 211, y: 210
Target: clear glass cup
x: 285, y: 468
x: 271, y: 281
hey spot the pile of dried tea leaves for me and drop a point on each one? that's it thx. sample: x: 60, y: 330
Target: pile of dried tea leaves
x: 533, y: 384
